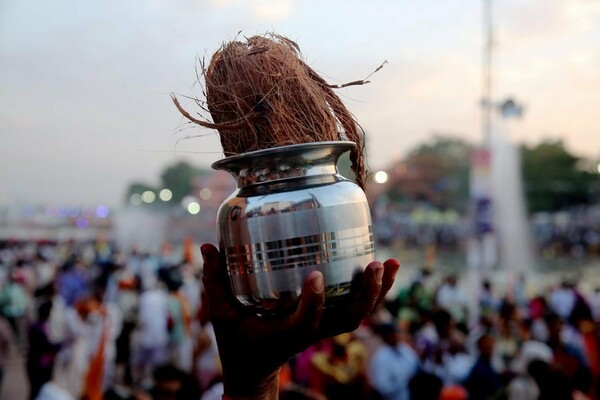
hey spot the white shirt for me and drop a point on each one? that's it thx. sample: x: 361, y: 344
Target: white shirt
x: 52, y: 391
x: 453, y: 299
x: 153, y: 314
x: 390, y: 370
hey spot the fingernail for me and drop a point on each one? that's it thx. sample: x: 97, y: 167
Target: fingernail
x: 316, y: 283
x: 379, y: 274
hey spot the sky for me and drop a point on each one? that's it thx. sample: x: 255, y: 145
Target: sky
x: 84, y: 86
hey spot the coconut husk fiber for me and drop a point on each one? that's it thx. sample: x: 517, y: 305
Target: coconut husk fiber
x: 261, y: 94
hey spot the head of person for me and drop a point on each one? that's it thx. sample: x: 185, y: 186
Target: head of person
x: 44, y: 311
x: 388, y: 333
x: 451, y: 280
x: 443, y: 322
x: 555, y: 326
x: 169, y: 383
x: 425, y: 386
x: 485, y: 345
x: 487, y: 285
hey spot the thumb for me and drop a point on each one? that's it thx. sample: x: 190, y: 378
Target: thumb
x: 215, y: 282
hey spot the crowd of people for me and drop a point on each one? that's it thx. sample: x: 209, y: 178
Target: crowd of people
x: 419, y: 227
x: 574, y: 233
x: 93, y: 322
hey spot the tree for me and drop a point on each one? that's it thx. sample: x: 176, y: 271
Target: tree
x: 179, y: 179
x: 552, y: 178
x: 436, y: 171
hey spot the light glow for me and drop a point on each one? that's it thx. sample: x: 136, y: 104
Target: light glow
x: 82, y: 222
x: 205, y: 194
x: 193, y: 208
x: 102, y: 212
x: 135, y: 199
x: 381, y: 177
x: 165, y: 195
x: 148, y: 196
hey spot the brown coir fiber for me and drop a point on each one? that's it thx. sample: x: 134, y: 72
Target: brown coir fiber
x: 261, y: 94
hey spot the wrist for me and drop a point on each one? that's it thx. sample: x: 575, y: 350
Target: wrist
x: 245, y: 387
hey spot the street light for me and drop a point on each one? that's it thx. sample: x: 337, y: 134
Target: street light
x: 193, y: 208
x: 148, y: 196
x: 136, y: 199
x: 165, y: 195
x: 381, y: 177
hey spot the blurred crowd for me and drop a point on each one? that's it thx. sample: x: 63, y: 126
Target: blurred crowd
x: 93, y: 322
x: 574, y: 233
x: 422, y: 226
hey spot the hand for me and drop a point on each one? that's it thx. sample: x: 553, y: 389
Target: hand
x: 253, y: 348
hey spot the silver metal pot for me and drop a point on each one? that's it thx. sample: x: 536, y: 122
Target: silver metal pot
x: 292, y: 213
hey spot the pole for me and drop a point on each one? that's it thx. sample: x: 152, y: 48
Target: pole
x: 480, y: 243
x: 487, y: 102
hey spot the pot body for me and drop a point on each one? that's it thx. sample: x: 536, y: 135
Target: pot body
x: 292, y: 213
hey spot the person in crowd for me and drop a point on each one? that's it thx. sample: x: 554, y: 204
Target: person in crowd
x: 488, y: 303
x: 552, y: 381
x: 451, y: 363
x: 302, y: 363
x: 340, y: 373
x: 425, y: 386
x: 127, y: 301
x: 179, y: 321
x: 568, y: 357
x: 506, y: 345
x: 451, y: 297
x: 562, y: 299
x: 6, y: 337
x: 392, y: 365
x: 483, y: 382
x: 523, y: 386
x: 72, y: 280
x: 42, y: 352
x: 152, y: 334
x: 102, y: 323
x: 411, y: 302
x: 14, y: 303
x: 171, y: 383
x: 52, y: 391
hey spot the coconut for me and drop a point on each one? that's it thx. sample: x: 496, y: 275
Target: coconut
x: 261, y: 94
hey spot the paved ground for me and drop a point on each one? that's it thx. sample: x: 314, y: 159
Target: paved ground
x: 15, y: 385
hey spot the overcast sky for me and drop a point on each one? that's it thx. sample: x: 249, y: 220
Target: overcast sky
x: 84, y: 85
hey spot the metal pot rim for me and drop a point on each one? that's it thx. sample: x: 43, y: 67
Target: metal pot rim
x: 338, y: 146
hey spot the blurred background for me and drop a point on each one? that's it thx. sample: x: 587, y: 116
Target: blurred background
x: 481, y: 129
x: 92, y: 143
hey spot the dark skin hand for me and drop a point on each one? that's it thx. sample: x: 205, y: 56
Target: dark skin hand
x: 253, y: 348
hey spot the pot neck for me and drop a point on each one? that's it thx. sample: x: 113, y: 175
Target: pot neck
x: 281, y: 164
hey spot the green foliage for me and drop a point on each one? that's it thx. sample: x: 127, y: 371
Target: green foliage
x: 438, y: 172
x: 552, y: 178
x: 179, y: 178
